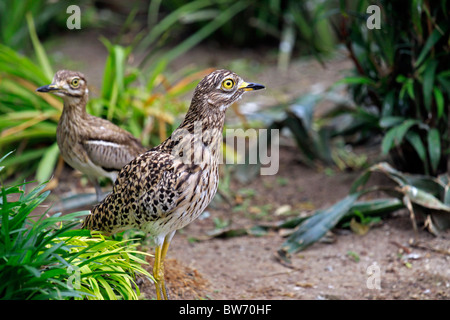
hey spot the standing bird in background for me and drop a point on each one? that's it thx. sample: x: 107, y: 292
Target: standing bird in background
x: 169, y: 186
x: 94, y: 146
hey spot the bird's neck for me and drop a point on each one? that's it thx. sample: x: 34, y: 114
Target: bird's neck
x: 75, y: 108
x: 204, y: 117
x: 201, y: 128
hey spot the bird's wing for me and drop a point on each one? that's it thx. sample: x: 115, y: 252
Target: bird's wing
x: 148, y: 188
x: 109, y: 146
x: 156, y: 180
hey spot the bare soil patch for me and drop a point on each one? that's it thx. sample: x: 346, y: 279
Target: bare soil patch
x: 245, y: 267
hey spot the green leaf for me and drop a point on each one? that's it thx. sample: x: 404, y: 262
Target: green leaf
x: 443, y: 79
x: 408, y: 86
x: 388, y: 140
x: 360, y: 181
x: 158, y: 69
x: 107, y: 287
x: 424, y: 199
x: 317, y: 225
x: 431, y: 41
x: 428, y: 82
x: 434, y: 148
x: 403, y: 128
x: 416, y: 11
x: 108, y: 73
x: 40, y: 52
x: 5, y: 156
x: 388, y: 104
x: 120, y: 54
x: 376, y: 207
x: 27, y: 156
x: 401, y: 78
x: 47, y: 163
x: 208, y: 29
x: 356, y: 80
x: 439, y: 98
x: 445, y: 182
x: 390, y: 121
x: 35, y: 272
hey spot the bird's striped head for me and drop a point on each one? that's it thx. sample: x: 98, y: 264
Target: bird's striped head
x: 221, y: 88
x: 67, y: 84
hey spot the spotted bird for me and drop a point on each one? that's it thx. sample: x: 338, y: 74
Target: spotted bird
x: 170, y: 185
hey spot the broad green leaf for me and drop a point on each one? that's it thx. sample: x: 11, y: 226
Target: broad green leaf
x: 401, y: 78
x: 376, y: 206
x: 35, y: 272
x: 407, y: 87
x: 120, y: 54
x: 431, y: 41
x: 416, y: 11
x: 360, y: 181
x: 40, y: 52
x: 317, y: 225
x: 357, y: 80
x: 388, y: 104
x: 392, y: 173
x: 444, y: 180
x: 47, y: 163
x: 428, y: 82
x: 107, y: 287
x: 424, y: 199
x: 390, y: 121
x: 403, y: 128
x: 439, y: 98
x: 388, y: 140
x: 158, y: 69
x: 444, y: 79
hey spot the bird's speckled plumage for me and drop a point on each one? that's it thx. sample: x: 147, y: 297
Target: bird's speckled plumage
x: 89, y: 144
x: 170, y: 185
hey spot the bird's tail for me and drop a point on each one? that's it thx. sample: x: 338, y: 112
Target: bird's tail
x: 97, y: 219
x: 87, y: 223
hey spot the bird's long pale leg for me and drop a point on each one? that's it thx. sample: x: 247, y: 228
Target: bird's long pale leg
x: 157, y: 271
x: 158, y: 267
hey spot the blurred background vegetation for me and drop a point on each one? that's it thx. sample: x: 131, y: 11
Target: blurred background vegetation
x: 398, y: 90
x: 400, y: 87
x: 138, y: 89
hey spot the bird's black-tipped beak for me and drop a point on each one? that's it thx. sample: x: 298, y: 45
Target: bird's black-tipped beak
x: 47, y: 88
x: 249, y: 86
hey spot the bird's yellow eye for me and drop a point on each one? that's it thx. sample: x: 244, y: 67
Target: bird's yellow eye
x: 75, y: 82
x: 227, y: 84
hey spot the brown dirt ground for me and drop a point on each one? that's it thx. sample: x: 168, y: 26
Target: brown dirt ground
x: 245, y: 267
